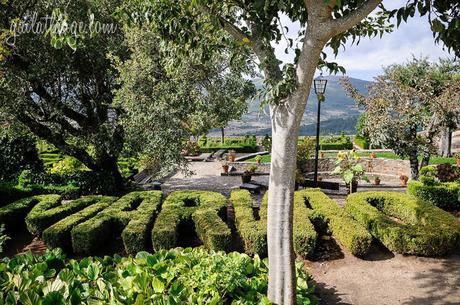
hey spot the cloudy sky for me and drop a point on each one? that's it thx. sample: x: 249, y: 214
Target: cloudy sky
x: 365, y: 60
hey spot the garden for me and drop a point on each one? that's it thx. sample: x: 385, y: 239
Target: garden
x: 160, y: 152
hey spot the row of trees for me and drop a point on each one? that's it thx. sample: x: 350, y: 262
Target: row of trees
x: 114, y: 93
x: 410, y: 107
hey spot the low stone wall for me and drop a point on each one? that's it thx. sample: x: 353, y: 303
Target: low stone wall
x: 387, y: 169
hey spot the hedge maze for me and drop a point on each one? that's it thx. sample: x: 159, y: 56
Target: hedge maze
x: 404, y: 224
x: 254, y: 231
x: 207, y: 211
x: 131, y: 216
x: 145, y: 221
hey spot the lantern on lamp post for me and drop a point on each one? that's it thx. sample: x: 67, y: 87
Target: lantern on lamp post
x: 320, y: 84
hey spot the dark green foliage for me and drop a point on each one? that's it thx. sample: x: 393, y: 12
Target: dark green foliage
x: 204, y: 208
x: 444, y: 195
x: 13, y: 214
x: 189, y: 276
x: 10, y: 192
x: 16, y: 154
x: 404, y: 224
x: 58, y: 235
x: 47, y: 213
x: 254, y: 232
x: 345, y: 229
x: 131, y: 216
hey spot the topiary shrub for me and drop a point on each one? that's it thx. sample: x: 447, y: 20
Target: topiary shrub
x: 132, y: 216
x: 47, y: 213
x: 343, y: 227
x: 254, y: 232
x: 444, y: 195
x: 13, y: 214
x: 404, y: 224
x: 205, y: 209
x: 58, y: 235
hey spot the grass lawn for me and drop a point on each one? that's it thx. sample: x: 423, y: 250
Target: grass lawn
x: 386, y: 155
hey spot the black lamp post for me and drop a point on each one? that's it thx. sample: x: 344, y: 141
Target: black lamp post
x: 320, y: 88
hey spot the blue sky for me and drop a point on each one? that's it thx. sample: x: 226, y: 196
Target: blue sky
x: 365, y: 60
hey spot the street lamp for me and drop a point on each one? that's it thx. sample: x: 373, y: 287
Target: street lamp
x: 320, y: 88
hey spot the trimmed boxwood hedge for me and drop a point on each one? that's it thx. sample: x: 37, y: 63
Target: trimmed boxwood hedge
x: 404, y: 224
x: 445, y: 195
x: 345, y: 229
x: 13, y: 214
x: 47, y: 213
x: 132, y: 216
x: 58, y: 235
x: 205, y: 209
x: 254, y: 232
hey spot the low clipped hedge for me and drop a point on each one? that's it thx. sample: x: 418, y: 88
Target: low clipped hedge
x: 13, y: 214
x: 444, y: 195
x: 254, y: 232
x: 404, y: 224
x: 132, y: 216
x: 362, y: 142
x: 10, y: 192
x: 205, y: 209
x: 343, y: 227
x: 59, y: 234
x: 47, y: 213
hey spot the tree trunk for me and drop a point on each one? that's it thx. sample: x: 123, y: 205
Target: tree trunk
x: 108, y: 165
x: 413, y: 160
x: 446, y: 143
x: 281, y: 260
x: 222, y: 135
x: 286, y: 119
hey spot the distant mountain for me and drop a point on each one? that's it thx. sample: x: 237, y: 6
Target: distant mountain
x: 338, y: 113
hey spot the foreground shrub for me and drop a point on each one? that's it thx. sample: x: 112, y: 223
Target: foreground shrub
x: 190, y: 276
x: 58, y: 235
x: 205, y: 209
x: 445, y: 195
x: 254, y: 232
x: 13, y: 214
x: 404, y: 224
x: 132, y: 216
x: 345, y: 229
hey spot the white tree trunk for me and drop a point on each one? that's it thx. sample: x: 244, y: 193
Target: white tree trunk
x: 286, y: 120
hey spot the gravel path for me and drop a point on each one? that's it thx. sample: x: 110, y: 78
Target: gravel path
x: 381, y: 278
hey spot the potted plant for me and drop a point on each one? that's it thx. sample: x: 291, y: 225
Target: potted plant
x: 351, y: 171
x: 373, y: 155
x: 403, y: 179
x: 457, y: 156
x: 247, y: 174
x: 225, y: 166
x: 377, y: 180
x: 258, y: 159
x: 231, y: 155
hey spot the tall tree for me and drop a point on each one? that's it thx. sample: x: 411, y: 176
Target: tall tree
x: 63, y: 96
x: 255, y: 26
x: 409, y: 106
x: 168, y: 99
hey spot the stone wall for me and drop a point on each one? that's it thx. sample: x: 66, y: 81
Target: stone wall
x: 386, y: 168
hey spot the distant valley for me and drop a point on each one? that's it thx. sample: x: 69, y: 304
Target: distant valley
x: 338, y: 113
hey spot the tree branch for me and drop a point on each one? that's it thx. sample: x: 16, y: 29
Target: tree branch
x: 345, y: 23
